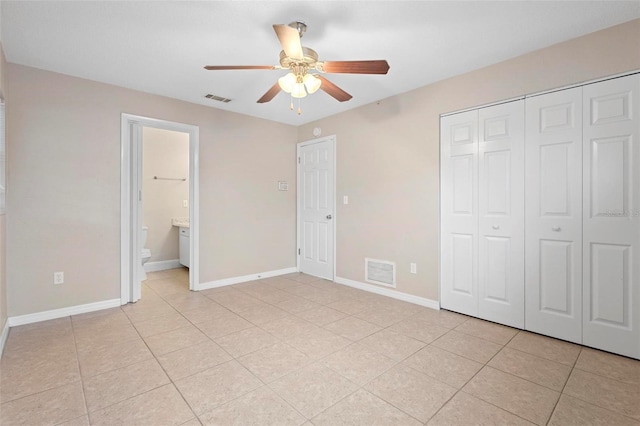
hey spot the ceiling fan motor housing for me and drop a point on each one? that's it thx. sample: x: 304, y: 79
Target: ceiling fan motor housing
x: 309, y: 59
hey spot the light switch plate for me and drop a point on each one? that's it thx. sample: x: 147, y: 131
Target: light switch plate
x: 345, y: 199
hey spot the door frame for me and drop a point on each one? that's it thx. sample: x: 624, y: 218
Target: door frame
x: 332, y: 140
x: 131, y: 186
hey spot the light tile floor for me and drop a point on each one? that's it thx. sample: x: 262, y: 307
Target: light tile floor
x: 294, y: 349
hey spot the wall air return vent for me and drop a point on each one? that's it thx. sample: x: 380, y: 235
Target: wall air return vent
x: 380, y: 272
x: 217, y: 98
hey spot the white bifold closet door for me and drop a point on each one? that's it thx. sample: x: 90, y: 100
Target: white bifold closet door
x: 501, y: 209
x: 554, y: 214
x: 459, y: 212
x: 482, y: 205
x: 611, y: 215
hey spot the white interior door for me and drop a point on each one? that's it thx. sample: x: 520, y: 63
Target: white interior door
x: 459, y: 212
x: 501, y: 213
x: 612, y: 215
x: 316, y: 164
x: 553, y: 283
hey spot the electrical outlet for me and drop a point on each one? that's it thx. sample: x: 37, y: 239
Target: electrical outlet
x: 414, y: 268
x: 185, y: 203
x: 58, y: 278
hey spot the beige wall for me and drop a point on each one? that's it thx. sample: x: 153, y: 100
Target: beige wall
x: 164, y: 154
x: 388, y: 152
x: 3, y: 226
x: 64, y: 151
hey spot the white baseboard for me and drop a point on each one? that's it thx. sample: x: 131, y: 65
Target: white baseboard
x: 63, y: 312
x: 245, y: 278
x: 422, y: 301
x: 162, y: 265
x: 3, y: 337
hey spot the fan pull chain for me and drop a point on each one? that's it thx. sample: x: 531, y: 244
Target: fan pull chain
x: 299, y: 110
x: 291, y: 105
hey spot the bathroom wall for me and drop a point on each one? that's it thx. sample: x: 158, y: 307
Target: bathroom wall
x: 164, y: 154
x: 388, y: 154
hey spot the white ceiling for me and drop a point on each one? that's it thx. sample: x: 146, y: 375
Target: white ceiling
x: 161, y: 47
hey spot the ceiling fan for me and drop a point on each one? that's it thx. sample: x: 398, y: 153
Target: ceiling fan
x: 300, y: 61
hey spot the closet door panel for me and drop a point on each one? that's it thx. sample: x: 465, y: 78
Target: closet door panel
x: 501, y: 213
x: 611, y: 144
x: 459, y: 212
x: 553, y: 218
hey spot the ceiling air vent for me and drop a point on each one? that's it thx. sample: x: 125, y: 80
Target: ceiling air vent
x: 380, y: 272
x: 217, y: 98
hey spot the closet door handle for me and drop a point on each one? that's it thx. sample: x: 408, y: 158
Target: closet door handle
x: 556, y: 229
x: 496, y: 226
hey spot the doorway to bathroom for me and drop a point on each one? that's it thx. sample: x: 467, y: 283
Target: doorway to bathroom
x: 159, y: 199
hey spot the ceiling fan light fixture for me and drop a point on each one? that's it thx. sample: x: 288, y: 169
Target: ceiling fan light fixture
x: 287, y: 82
x: 312, y: 83
x: 298, y: 91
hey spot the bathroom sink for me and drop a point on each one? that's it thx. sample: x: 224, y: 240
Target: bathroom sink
x: 182, y: 222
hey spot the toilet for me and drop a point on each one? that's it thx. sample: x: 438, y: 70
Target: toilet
x: 146, y: 253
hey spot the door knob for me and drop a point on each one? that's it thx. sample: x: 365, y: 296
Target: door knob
x: 556, y: 229
x: 328, y: 216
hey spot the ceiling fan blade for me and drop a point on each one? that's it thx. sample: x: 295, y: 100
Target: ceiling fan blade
x: 333, y: 90
x: 356, y: 67
x: 290, y: 40
x: 271, y: 93
x: 239, y: 67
